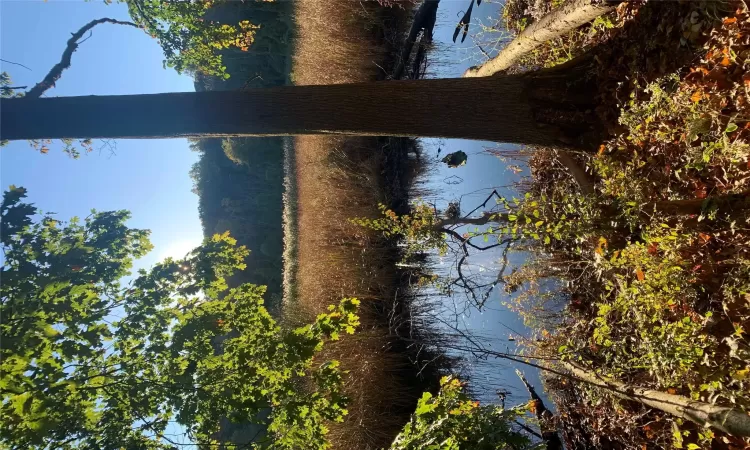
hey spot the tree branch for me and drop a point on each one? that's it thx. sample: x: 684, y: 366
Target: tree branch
x: 584, y: 181
x: 566, y: 18
x: 56, y: 72
x: 18, y: 64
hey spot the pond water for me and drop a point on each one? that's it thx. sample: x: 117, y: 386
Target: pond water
x: 498, y: 327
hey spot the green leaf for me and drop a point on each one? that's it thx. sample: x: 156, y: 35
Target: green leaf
x: 731, y: 127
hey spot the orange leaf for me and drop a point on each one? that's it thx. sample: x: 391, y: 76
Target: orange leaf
x: 725, y: 61
x: 653, y: 248
x: 639, y: 274
x: 730, y: 20
x: 697, y: 96
x: 602, y: 148
x: 672, y: 391
x: 704, y: 237
x: 44, y: 150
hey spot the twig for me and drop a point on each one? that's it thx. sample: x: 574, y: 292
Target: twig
x: 18, y: 64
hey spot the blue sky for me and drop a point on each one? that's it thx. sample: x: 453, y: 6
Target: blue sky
x: 148, y: 177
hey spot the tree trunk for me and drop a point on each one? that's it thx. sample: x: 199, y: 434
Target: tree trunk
x: 424, y: 19
x: 543, y: 415
x: 560, y: 21
x: 513, y: 108
x: 723, y: 418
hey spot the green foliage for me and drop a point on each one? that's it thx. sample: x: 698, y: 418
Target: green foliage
x: 87, y: 363
x: 246, y: 200
x: 647, y: 319
x: 640, y: 301
x: 682, y: 132
x: 549, y: 218
x: 452, y: 421
x: 419, y: 228
x: 190, y: 41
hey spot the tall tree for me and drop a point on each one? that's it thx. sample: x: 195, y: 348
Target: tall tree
x: 514, y: 108
x: 89, y: 363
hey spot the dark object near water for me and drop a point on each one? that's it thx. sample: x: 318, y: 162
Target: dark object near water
x: 463, y: 24
x: 455, y: 159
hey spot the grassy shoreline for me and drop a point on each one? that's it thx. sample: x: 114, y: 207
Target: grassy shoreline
x: 339, y: 178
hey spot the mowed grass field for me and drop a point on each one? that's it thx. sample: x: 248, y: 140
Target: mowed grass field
x: 339, y: 178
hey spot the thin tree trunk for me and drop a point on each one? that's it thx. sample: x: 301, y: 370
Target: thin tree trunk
x: 56, y: 72
x: 496, y: 109
x: 723, y: 418
x: 543, y: 415
x: 560, y: 21
x: 424, y: 19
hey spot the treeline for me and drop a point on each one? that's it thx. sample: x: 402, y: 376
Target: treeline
x: 239, y: 180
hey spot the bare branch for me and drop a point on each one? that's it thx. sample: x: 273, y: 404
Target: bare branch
x: 18, y: 64
x: 56, y: 72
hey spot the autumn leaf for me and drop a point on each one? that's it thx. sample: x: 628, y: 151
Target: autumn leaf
x: 730, y: 20
x: 725, y: 61
x: 704, y: 237
x: 639, y: 274
x: 44, y: 150
x: 697, y: 96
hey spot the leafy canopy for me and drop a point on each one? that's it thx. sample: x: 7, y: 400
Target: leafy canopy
x: 190, y: 40
x: 90, y: 363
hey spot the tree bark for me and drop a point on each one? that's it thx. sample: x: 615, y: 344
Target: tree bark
x: 560, y: 21
x: 502, y: 109
x: 56, y: 72
x: 723, y: 418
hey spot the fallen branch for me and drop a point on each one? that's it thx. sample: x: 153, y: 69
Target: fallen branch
x: 560, y: 21
x: 56, y: 72
x: 723, y: 418
x: 584, y: 181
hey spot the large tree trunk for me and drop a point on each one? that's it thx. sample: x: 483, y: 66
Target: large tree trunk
x: 560, y: 21
x: 520, y: 109
x: 723, y: 418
